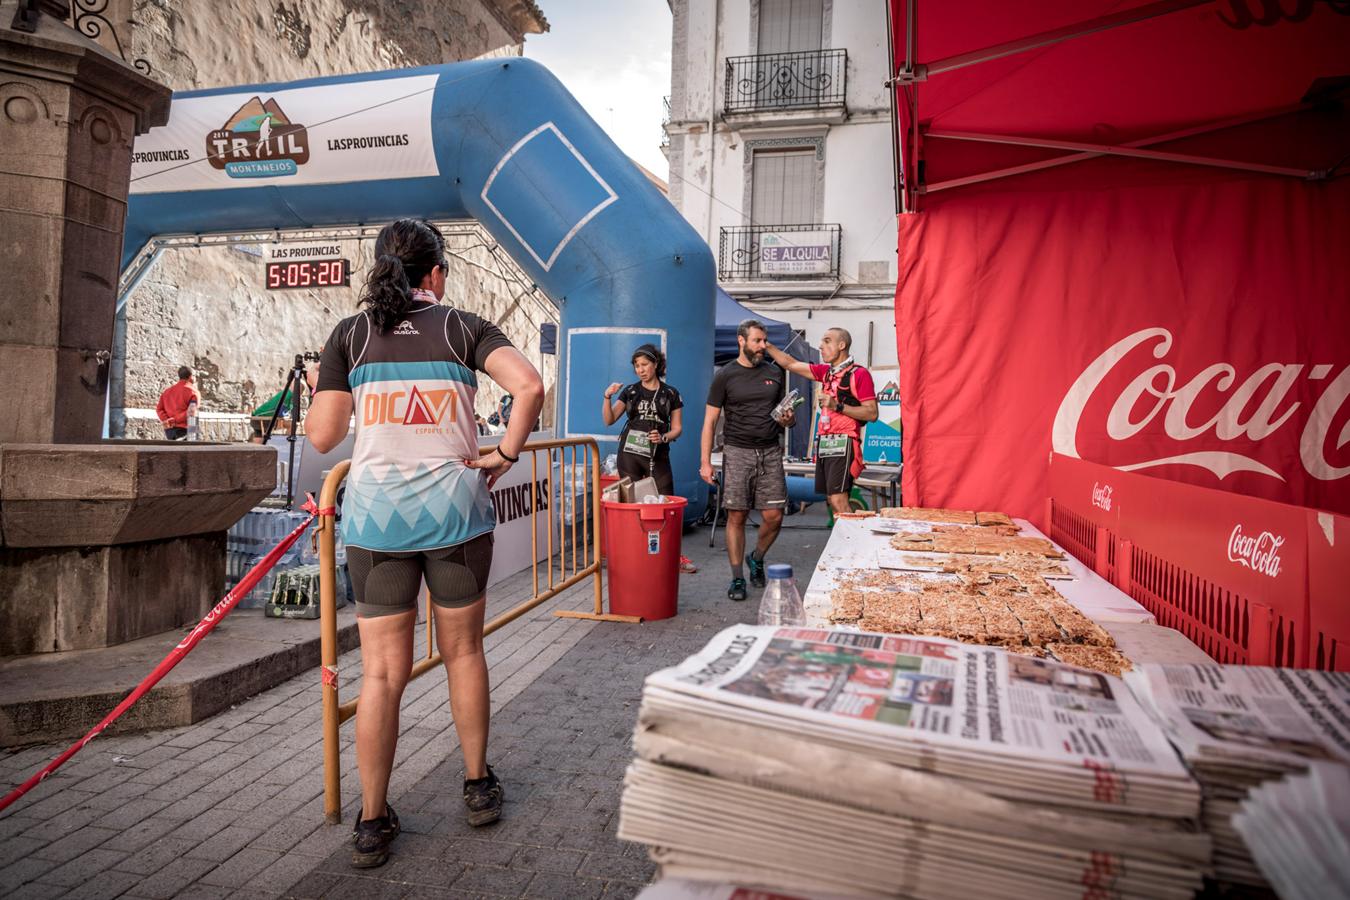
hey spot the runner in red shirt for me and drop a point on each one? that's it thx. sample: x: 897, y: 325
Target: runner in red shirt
x: 172, y: 408
x: 847, y: 400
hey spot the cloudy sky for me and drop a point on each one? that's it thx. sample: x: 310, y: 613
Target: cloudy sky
x: 614, y: 56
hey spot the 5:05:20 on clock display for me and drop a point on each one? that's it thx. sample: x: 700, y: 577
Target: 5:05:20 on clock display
x: 309, y: 273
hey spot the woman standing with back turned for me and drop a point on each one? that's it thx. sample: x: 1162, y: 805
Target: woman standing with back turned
x: 417, y: 503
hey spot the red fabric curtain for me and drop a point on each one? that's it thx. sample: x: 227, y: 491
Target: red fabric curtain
x: 1189, y: 326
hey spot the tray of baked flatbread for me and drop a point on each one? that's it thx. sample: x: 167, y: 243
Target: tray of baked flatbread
x: 985, y: 609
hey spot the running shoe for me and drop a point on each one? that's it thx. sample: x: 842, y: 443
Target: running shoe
x: 483, y: 797
x: 373, y: 837
x: 687, y: 565
x: 736, y: 590
x: 756, y: 570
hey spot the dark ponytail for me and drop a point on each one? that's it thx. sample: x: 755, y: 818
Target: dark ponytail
x: 405, y: 253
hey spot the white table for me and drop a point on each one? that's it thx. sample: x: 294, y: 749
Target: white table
x: 853, y: 545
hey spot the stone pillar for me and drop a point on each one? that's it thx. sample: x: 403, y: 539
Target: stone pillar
x: 69, y: 111
x: 99, y: 543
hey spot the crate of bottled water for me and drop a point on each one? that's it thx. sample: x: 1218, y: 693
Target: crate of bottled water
x: 254, y: 536
x: 295, y: 593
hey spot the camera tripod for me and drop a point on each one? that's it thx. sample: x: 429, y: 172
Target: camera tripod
x: 294, y: 388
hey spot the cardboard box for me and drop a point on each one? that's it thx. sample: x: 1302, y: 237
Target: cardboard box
x: 614, y: 492
x: 642, y: 488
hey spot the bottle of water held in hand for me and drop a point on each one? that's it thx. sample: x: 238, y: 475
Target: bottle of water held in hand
x: 781, y: 604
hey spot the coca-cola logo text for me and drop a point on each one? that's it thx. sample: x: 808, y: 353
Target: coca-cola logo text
x: 1255, y: 408
x: 1101, y: 496
x: 1260, y: 553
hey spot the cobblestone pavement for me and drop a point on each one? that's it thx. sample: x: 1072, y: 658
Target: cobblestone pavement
x: 232, y: 806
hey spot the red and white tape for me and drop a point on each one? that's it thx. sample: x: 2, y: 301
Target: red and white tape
x: 218, y: 612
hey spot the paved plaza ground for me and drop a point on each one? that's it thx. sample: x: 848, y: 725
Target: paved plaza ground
x: 232, y: 806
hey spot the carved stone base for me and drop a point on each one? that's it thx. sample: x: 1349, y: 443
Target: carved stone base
x: 83, y: 598
x: 105, y: 543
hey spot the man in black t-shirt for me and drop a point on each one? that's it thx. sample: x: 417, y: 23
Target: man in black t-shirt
x: 746, y: 390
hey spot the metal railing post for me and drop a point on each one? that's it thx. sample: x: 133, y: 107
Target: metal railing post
x: 597, y: 512
x: 328, y: 649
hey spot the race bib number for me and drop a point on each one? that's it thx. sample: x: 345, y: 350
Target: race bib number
x: 638, y: 444
x: 832, y: 445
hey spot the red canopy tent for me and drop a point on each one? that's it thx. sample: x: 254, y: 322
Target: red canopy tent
x: 1128, y: 245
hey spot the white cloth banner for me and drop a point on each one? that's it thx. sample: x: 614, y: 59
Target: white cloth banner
x: 325, y: 134
x: 511, y: 498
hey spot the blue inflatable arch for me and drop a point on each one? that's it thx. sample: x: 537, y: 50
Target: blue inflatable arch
x: 499, y: 141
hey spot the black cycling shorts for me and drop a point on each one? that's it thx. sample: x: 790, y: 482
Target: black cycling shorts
x: 387, y: 583
x: 834, y: 474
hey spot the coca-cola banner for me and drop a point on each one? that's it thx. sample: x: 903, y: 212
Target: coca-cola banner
x: 1232, y: 572
x: 1194, y: 330
x: 1328, y: 575
x: 1090, y: 491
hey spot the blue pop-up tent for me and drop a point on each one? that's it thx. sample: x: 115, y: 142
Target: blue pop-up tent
x: 729, y: 314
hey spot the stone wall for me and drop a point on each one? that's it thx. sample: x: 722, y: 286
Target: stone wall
x: 206, y: 307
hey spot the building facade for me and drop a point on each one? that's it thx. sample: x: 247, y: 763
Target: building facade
x: 210, y: 308
x: 779, y: 144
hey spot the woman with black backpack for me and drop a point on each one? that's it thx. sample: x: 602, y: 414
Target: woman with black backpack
x: 654, y: 419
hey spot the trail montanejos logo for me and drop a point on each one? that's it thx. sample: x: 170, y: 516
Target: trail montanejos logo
x: 258, y: 141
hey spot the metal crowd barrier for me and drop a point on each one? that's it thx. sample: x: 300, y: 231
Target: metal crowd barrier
x: 583, y: 561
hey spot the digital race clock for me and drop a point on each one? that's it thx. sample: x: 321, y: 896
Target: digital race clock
x: 309, y: 273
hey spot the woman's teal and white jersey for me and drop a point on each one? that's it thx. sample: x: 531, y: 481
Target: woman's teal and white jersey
x: 412, y: 390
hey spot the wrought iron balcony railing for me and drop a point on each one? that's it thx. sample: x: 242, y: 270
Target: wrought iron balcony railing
x: 779, y: 252
x: 813, y: 79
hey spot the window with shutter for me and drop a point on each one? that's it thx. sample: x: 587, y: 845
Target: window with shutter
x: 783, y: 187
x: 789, y: 60
x: 790, y: 26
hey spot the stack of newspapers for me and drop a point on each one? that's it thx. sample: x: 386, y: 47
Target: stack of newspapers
x: 1298, y: 829
x: 846, y: 763
x: 1250, y: 734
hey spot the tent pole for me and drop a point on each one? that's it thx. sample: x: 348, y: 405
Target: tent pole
x: 1135, y: 152
x: 911, y: 50
x: 1055, y: 36
x: 911, y: 13
x: 1041, y: 165
x: 897, y: 175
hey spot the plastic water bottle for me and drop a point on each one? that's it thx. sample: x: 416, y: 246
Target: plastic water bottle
x: 781, y: 603
x: 192, y: 421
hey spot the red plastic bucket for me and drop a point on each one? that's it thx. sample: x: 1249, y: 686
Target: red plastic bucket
x: 605, y: 481
x: 642, y: 541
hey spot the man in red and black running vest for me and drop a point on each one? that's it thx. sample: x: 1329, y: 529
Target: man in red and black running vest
x: 847, y: 400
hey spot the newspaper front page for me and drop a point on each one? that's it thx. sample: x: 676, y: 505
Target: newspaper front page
x: 1286, y: 717
x: 930, y: 691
